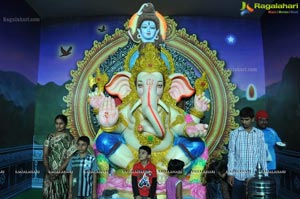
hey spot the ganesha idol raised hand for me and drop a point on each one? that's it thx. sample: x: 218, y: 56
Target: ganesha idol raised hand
x: 148, y: 114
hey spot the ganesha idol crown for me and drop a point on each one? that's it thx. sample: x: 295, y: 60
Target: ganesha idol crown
x: 149, y: 60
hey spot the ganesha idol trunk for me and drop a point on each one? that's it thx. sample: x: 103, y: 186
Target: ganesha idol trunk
x: 150, y: 96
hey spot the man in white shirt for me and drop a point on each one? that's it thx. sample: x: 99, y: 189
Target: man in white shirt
x: 246, y: 150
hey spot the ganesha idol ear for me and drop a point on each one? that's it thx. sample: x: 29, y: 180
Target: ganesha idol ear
x: 180, y: 87
x: 119, y: 85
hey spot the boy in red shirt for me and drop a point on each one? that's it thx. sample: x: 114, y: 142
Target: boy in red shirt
x: 144, y: 176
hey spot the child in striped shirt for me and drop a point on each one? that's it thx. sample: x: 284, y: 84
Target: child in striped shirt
x: 83, y: 172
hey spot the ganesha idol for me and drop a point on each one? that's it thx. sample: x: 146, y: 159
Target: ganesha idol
x: 148, y: 115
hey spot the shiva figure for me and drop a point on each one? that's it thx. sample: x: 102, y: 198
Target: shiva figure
x: 147, y: 25
x: 148, y: 115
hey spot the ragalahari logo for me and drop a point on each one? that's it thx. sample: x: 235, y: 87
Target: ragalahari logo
x: 246, y: 9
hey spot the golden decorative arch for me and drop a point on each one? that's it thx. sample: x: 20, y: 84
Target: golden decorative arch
x: 222, y: 111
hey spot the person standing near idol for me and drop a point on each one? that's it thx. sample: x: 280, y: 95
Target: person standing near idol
x: 246, y: 150
x: 272, y: 141
x: 58, y: 149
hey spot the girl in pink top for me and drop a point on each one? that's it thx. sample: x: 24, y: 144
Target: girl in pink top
x: 174, y: 184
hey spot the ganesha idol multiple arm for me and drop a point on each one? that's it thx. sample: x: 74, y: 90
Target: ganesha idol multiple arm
x: 148, y: 115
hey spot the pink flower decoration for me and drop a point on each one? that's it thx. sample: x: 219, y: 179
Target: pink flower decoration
x: 205, y: 154
x: 198, y: 191
x: 95, y: 149
x: 101, y: 188
x: 188, y: 118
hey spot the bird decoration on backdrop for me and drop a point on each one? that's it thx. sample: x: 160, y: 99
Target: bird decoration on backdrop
x: 102, y: 28
x: 65, y: 52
